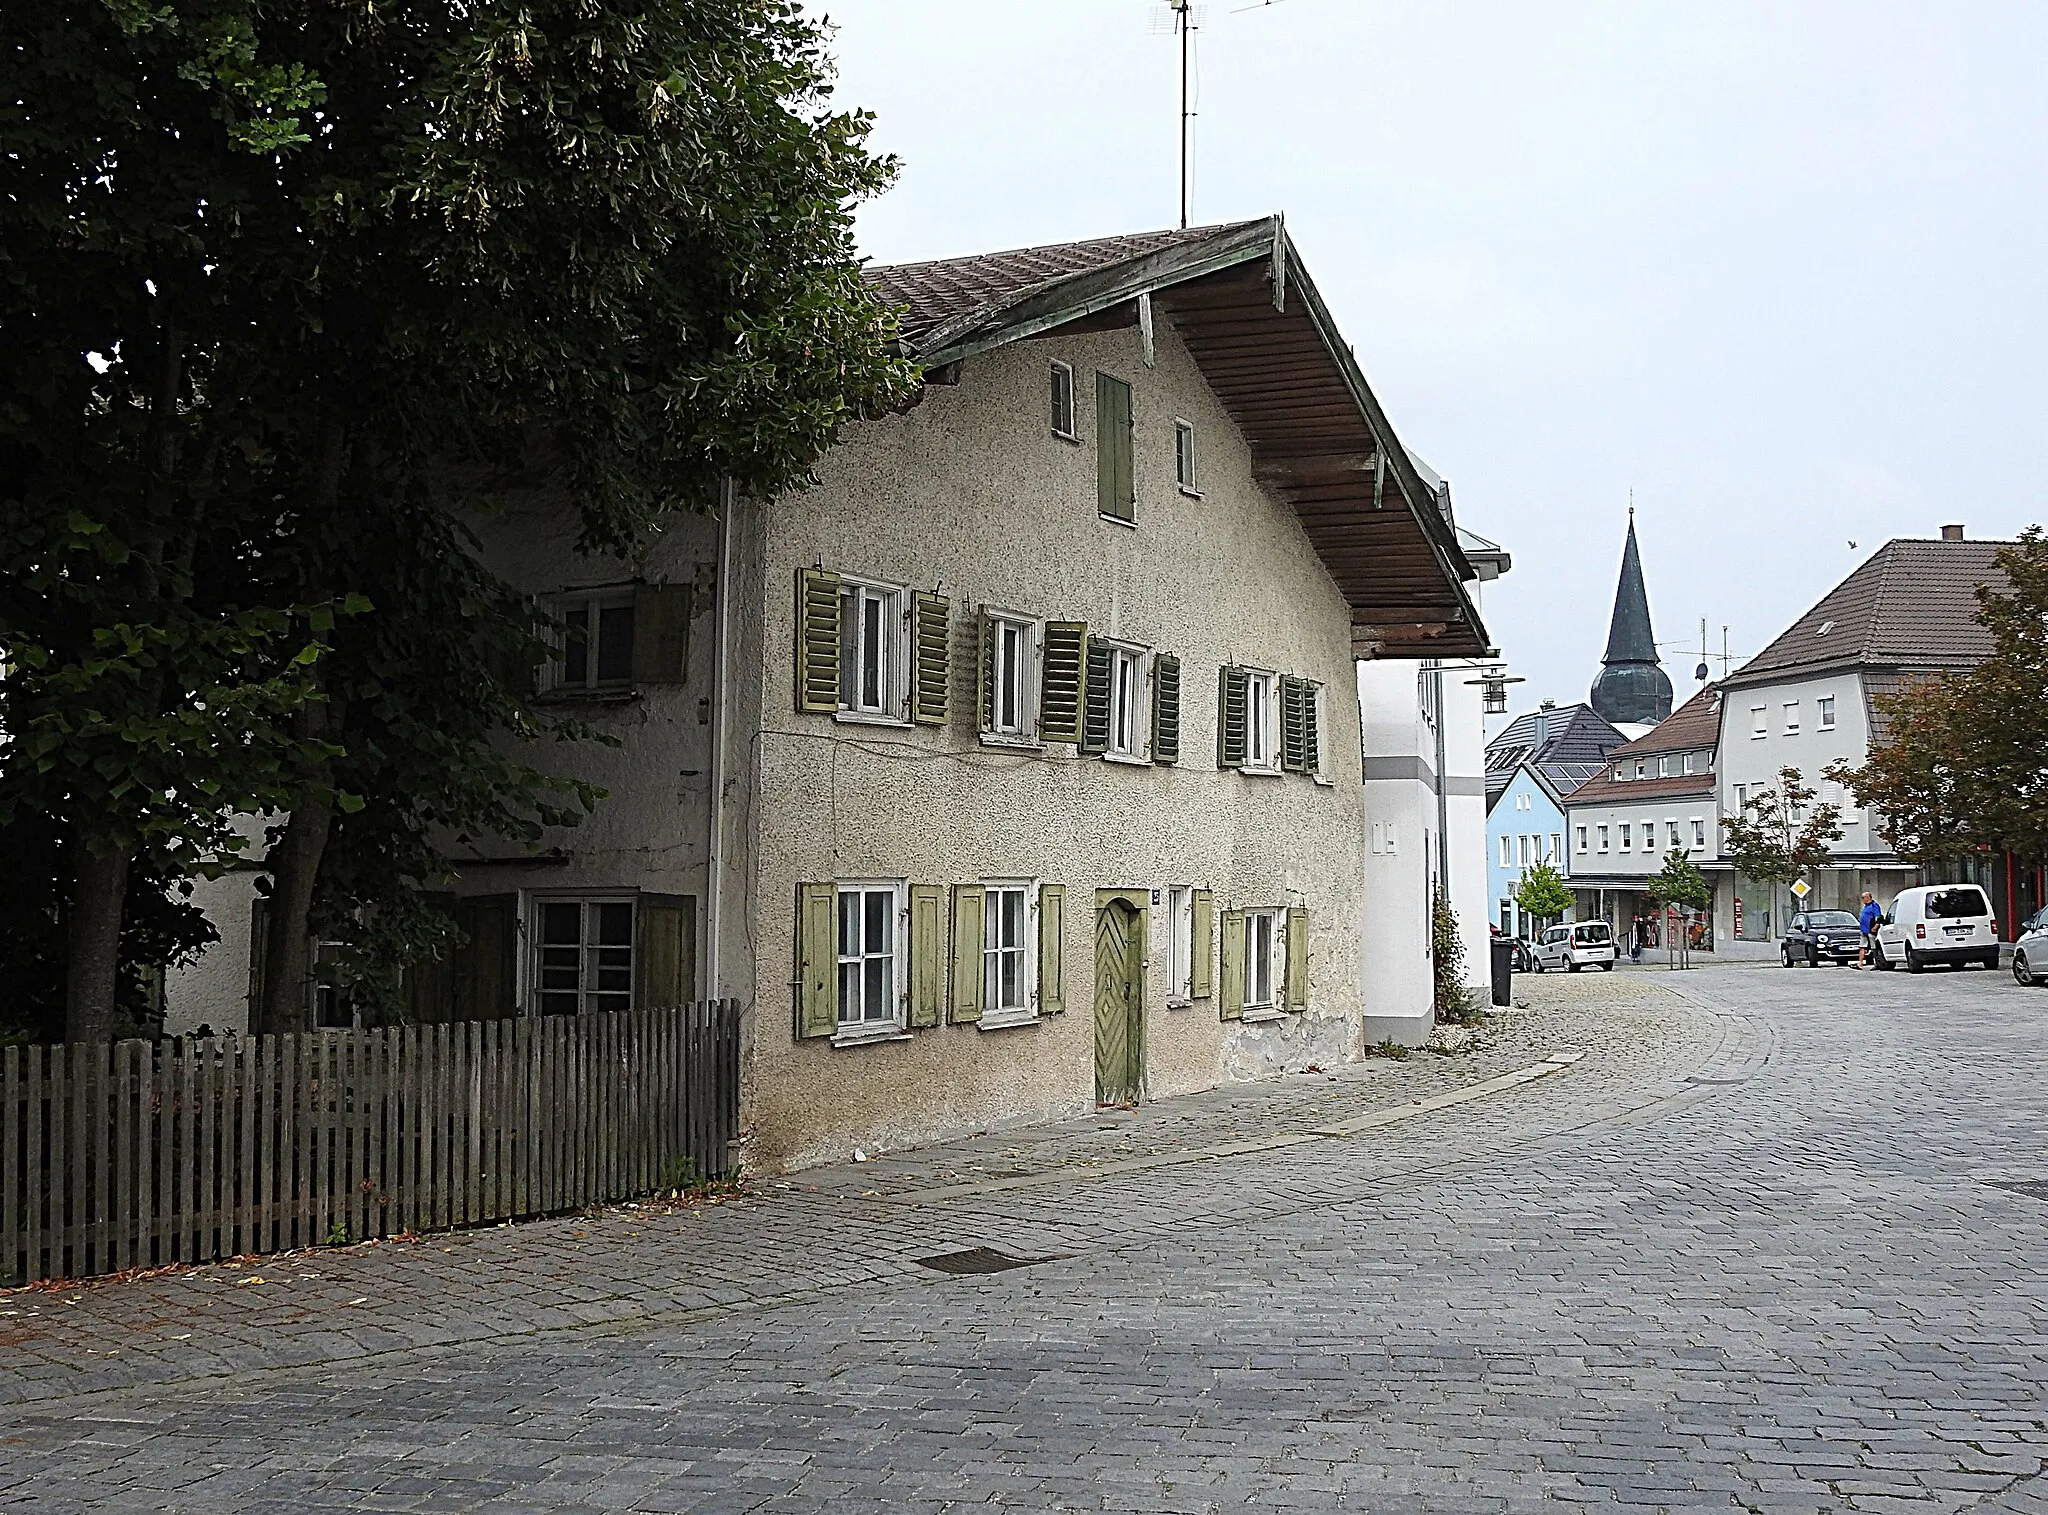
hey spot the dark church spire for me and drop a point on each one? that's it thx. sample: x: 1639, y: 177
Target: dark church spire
x: 1632, y: 689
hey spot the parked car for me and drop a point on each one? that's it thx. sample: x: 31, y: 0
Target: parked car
x: 1582, y: 944
x: 1938, y: 923
x: 2030, y: 952
x: 1820, y: 936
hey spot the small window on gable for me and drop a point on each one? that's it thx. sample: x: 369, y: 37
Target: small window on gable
x: 1063, y: 402
x: 1826, y: 706
x: 597, y: 640
x: 1184, y: 457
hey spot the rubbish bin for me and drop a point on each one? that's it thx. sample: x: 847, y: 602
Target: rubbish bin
x: 1503, y: 969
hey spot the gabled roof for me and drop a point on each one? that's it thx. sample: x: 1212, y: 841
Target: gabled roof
x: 1695, y: 724
x: 1571, y: 734
x: 1247, y: 310
x: 1911, y: 605
x: 1557, y: 780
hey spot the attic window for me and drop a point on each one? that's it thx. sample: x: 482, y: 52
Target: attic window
x: 1824, y: 628
x: 1063, y: 402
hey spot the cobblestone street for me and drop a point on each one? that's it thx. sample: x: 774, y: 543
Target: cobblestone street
x: 1729, y: 1240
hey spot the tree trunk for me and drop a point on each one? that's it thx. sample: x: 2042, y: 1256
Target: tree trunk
x: 286, y: 1003
x: 99, y: 888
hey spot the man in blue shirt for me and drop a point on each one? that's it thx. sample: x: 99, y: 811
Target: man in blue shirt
x: 1868, y: 920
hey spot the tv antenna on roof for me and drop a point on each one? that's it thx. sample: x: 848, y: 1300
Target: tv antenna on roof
x: 1186, y: 17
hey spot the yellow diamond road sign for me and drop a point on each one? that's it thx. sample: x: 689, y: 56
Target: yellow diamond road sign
x: 1802, y: 889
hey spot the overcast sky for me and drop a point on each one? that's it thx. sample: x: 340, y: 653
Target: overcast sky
x: 1777, y: 267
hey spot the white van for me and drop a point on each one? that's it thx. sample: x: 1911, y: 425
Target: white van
x: 1938, y: 923
x: 1575, y: 947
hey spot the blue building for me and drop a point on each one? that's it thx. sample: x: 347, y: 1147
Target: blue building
x: 1531, y: 768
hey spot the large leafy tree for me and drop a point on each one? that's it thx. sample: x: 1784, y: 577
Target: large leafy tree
x: 1964, y: 763
x: 292, y: 289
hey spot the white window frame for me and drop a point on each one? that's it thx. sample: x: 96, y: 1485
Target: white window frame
x: 1582, y: 840
x: 893, y: 676
x: 1742, y: 799
x: 1265, y: 968
x: 1507, y: 851
x: 1180, y: 944
x: 592, y: 602
x: 1603, y: 838
x: 868, y: 1027
x: 1649, y: 836
x: 1759, y: 722
x: 1642, y: 768
x: 1627, y: 833
x: 1699, y: 833
x: 994, y: 1014
x: 1072, y: 431
x: 1556, y: 848
x: 1671, y: 835
x: 588, y: 965
x: 1130, y: 704
x: 1791, y: 717
x: 1824, y: 713
x: 1261, y: 718
x: 1031, y: 631
x: 1522, y: 851
x: 1185, y: 476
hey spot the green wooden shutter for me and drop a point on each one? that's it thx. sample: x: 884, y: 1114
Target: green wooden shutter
x: 927, y: 955
x: 817, y: 958
x: 1114, y: 480
x: 1296, y: 990
x: 1312, y: 724
x: 1230, y: 968
x: 1202, y: 945
x: 665, y: 951
x: 661, y: 633
x: 1232, y: 716
x: 1052, y: 948
x: 1060, y: 678
x: 485, y: 967
x: 1165, y: 708
x: 968, y: 905
x: 985, y: 676
x: 1293, y: 725
x: 817, y: 642
x: 931, y: 617
x: 1095, y: 702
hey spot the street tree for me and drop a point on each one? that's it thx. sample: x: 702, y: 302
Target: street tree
x: 1542, y: 893
x: 270, y: 268
x: 1678, y: 881
x: 1782, y: 835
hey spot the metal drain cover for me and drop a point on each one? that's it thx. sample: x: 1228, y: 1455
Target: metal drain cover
x: 2033, y: 1188
x: 977, y: 1260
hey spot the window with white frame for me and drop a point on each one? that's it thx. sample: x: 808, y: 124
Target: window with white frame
x: 1507, y: 852
x: 1649, y: 836
x: 582, y: 955
x: 1261, y: 721
x: 1008, y: 987
x: 1742, y: 799
x: 1180, y: 944
x: 1603, y: 838
x: 1522, y: 851
x: 1641, y: 768
x: 1791, y: 715
x: 1757, y: 723
x: 1825, y: 712
x: 870, y: 954
x: 1556, y: 848
x: 1671, y: 833
x: 1184, y: 457
x: 1621, y: 772
x: 872, y: 659
x: 1013, y: 676
x: 1063, y: 402
x: 1627, y: 831
x: 596, y: 649
x: 1688, y: 765
x: 1129, y: 692
x: 1264, y: 940
x: 1699, y: 833
x: 1582, y: 838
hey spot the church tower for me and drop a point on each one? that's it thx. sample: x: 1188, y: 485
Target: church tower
x: 1632, y: 690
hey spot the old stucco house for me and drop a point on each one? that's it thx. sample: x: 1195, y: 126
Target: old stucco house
x: 1014, y: 766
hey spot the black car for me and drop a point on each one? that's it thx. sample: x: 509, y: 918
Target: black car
x: 1821, y: 936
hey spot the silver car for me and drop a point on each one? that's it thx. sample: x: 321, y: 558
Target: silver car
x: 2030, y: 952
x: 1585, y: 944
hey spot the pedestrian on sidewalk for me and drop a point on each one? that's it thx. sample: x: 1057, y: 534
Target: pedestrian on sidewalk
x: 1868, y: 919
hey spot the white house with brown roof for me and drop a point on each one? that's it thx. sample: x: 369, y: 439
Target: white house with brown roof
x: 1652, y: 797
x: 1807, y: 701
x: 1015, y: 766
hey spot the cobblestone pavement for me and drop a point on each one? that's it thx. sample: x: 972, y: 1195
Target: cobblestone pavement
x: 1749, y: 1252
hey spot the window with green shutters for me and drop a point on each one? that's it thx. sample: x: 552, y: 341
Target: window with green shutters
x: 1202, y: 945
x: 1006, y: 678
x: 1230, y: 966
x: 969, y: 907
x: 872, y: 651
x: 817, y: 641
x: 931, y: 673
x: 1295, y: 996
x: 1232, y: 699
x: 927, y: 956
x: 1294, y: 719
x: 1052, y: 953
x: 1115, y: 485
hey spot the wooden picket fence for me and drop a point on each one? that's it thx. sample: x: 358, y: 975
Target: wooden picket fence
x: 136, y: 1154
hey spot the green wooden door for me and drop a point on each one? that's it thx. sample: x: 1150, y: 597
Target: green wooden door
x: 1119, y: 1003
